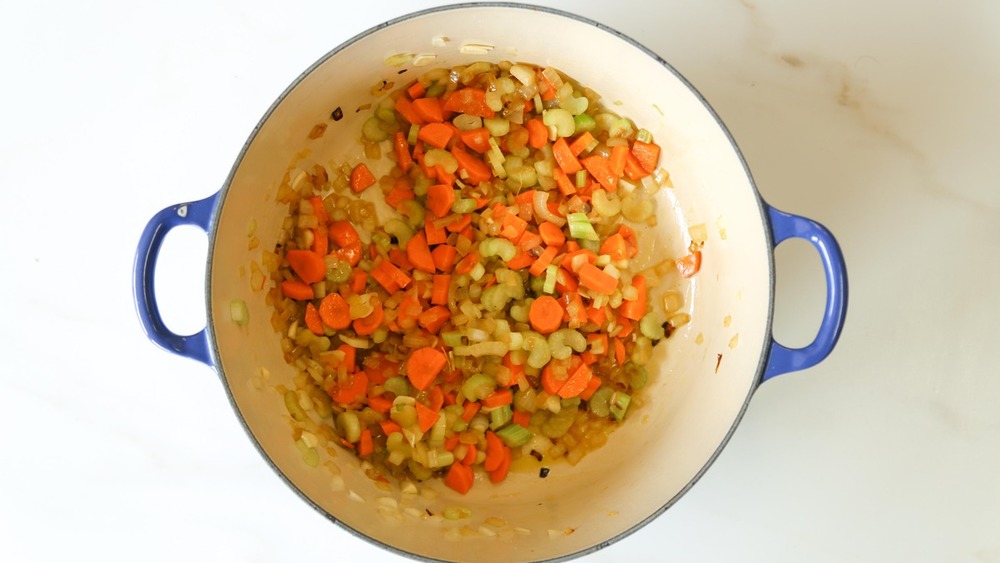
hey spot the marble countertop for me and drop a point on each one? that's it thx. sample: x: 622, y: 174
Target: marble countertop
x: 877, y: 119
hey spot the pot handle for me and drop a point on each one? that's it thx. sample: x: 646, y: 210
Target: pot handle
x: 199, y: 214
x: 784, y: 360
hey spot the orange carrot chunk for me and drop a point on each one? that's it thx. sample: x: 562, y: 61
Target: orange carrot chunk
x: 545, y: 314
x: 309, y: 266
x: 361, y: 178
x: 459, y: 478
x: 335, y: 312
x: 423, y: 366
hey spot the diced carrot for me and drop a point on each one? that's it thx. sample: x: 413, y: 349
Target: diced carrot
x: 460, y: 224
x: 545, y: 314
x: 434, y: 318
x: 389, y: 276
x: 619, y: 154
x: 428, y: 109
x: 435, y: 398
x: 576, y: 311
x: 619, y: 348
x: 520, y: 261
x: 423, y: 366
x: 334, y: 311
x: 426, y: 417
x: 419, y: 253
x: 522, y: 418
x: 577, y: 382
x: 614, y: 246
x: 380, y: 404
x: 444, y: 256
x: 476, y: 171
x: 538, y: 133
x: 543, y: 261
x: 633, y: 168
x: 600, y: 168
x: 416, y: 90
x: 354, y: 391
x: 648, y: 155
x: 297, y: 290
x: 312, y: 320
x: 565, y: 281
x: 319, y: 210
x: 389, y: 426
x: 451, y: 442
x: 358, y: 280
x: 321, y: 241
x: 365, y: 444
x: 440, y: 198
x: 564, y: 157
x: 554, y: 376
x: 566, y: 187
x: 398, y: 194
x: 469, y: 410
x: 442, y: 285
x: 459, y: 478
x: 361, y: 178
x: 368, y: 325
x: 343, y: 233
x: 498, y: 398
x: 592, y: 386
x: 400, y: 259
x: 581, y: 143
x: 529, y: 240
x: 626, y: 326
x: 309, y: 266
x: 500, y: 473
x: 469, y: 100
x: 636, y: 308
x: 476, y: 139
x: 689, y: 264
x: 405, y: 108
x: 351, y: 253
x: 434, y: 233
x: 435, y: 134
x: 402, y: 150
x: 597, y: 280
x: 551, y: 234
x: 466, y: 264
x: 631, y: 240
x: 494, y: 451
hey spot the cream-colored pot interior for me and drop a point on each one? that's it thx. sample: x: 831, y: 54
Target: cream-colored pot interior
x: 694, y: 399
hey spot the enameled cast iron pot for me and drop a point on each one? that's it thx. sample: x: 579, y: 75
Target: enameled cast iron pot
x: 694, y: 401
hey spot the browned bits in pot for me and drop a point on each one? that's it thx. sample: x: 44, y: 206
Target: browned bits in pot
x: 337, y: 114
x: 317, y: 131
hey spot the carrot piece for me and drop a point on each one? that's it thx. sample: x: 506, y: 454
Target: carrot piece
x: 436, y: 135
x: 440, y: 198
x: 619, y: 351
x: 545, y: 314
x: 636, y: 308
x: 444, y: 257
x: 592, y: 386
x: 419, y: 254
x: 619, y: 154
x: 469, y: 410
x: 466, y: 264
x: 389, y: 276
x: 405, y: 108
x: 581, y: 143
x: 529, y: 240
x: 600, y: 168
x: 451, y: 442
x: 343, y: 233
x: 358, y: 280
x: 565, y: 281
x: 319, y: 210
x: 426, y: 417
x: 690, y: 264
x: 416, y: 90
x: 442, y: 285
x: 402, y: 150
x: 434, y: 318
x: 428, y: 109
x: 633, y: 168
x: 297, y: 290
x: 538, y: 133
x: 597, y: 280
x: 380, y: 404
x: 309, y: 266
x: 551, y: 234
x: 577, y: 382
x: 470, y: 455
x: 543, y: 261
x: 398, y: 194
x: 614, y: 246
x: 365, y: 444
x: 423, y: 366
x: 321, y: 241
x: 469, y: 100
x: 566, y: 187
x: 498, y: 398
x: 522, y: 418
x: 389, y: 426
x: 648, y: 155
x: 434, y: 233
x: 459, y: 477
x: 564, y: 157
x: 335, y: 312
x: 312, y: 320
x: 368, y: 325
x: 500, y: 473
x: 494, y: 451
x: 435, y: 398
x: 475, y: 169
x: 576, y: 312
x: 361, y: 178
x: 354, y: 391
x: 351, y: 253
x: 631, y: 240
x: 512, y: 227
x: 554, y: 376
x: 476, y: 139
x: 520, y: 261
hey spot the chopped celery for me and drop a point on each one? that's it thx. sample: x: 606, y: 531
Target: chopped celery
x: 411, y: 136
x: 619, y: 404
x: 600, y: 402
x: 580, y: 179
x: 452, y: 338
x: 398, y: 386
x: 515, y: 435
x: 580, y: 227
x: 478, y: 386
x: 584, y: 122
x: 651, y: 326
x: 497, y: 247
x: 644, y: 136
x: 500, y: 416
x: 464, y: 205
x: 238, y: 312
x: 550, y: 278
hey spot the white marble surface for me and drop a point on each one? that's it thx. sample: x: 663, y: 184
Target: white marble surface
x: 878, y: 119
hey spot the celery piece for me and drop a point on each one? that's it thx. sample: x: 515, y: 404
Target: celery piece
x: 397, y: 385
x: 584, y: 122
x: 500, y: 416
x: 550, y: 278
x: 580, y: 227
x: 619, y: 404
x: 600, y: 402
x: 580, y: 179
x: 478, y: 386
x: 464, y: 205
x: 452, y: 338
x: 644, y: 136
x: 238, y: 312
x: 515, y: 435
x: 651, y: 326
x: 411, y: 136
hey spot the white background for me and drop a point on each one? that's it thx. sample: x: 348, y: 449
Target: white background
x: 878, y: 119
